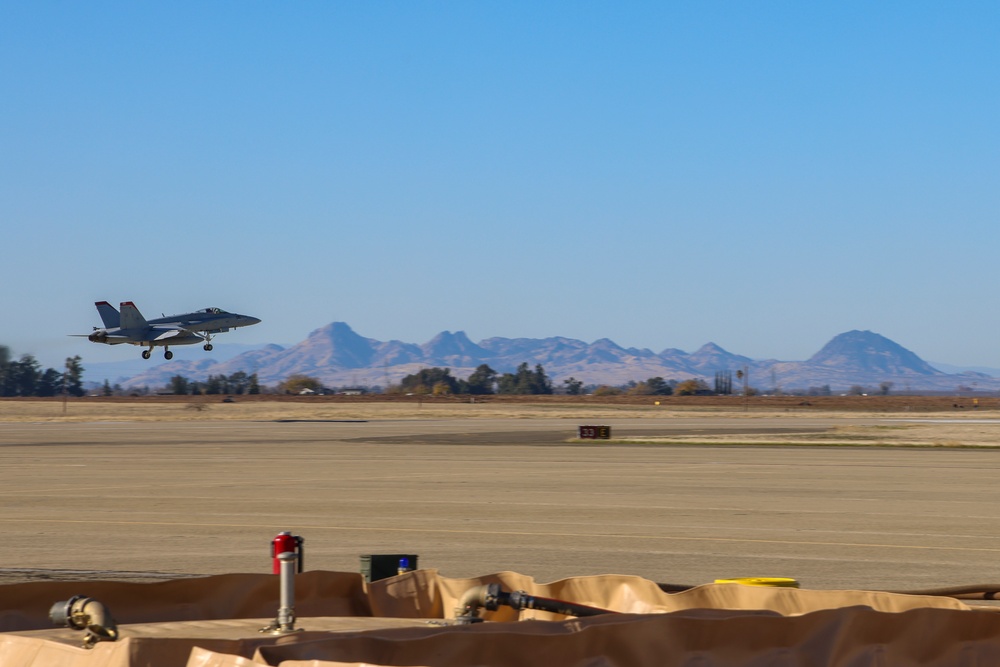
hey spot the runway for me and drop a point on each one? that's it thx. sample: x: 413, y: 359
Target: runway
x: 478, y: 496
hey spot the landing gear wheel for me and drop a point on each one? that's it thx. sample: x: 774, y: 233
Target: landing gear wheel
x: 168, y: 355
x: 208, y: 347
x: 145, y: 354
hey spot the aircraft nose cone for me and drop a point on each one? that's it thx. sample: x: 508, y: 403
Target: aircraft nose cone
x: 253, y: 320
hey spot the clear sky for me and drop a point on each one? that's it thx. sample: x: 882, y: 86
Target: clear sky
x: 764, y: 175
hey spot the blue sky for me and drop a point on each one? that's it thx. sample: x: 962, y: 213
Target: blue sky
x: 764, y: 175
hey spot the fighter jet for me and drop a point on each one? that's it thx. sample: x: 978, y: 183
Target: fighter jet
x: 129, y: 326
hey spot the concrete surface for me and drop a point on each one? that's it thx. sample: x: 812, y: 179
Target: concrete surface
x: 142, y: 500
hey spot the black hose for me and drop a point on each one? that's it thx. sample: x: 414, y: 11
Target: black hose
x: 492, y: 596
x: 521, y: 600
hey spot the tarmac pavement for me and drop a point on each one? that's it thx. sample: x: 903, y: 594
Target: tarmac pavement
x: 471, y: 497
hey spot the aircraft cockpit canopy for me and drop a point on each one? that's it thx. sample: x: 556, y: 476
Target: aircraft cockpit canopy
x: 215, y: 311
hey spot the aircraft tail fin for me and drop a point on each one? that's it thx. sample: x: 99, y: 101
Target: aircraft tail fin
x: 131, y: 318
x: 108, y: 314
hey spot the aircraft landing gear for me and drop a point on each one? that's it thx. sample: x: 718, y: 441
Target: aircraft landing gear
x: 207, y: 347
x: 145, y: 354
x: 168, y: 355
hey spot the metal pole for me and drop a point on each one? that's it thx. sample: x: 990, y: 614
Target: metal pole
x: 746, y: 389
x: 286, y: 610
x: 64, y: 386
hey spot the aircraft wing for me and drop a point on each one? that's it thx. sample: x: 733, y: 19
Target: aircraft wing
x: 171, y: 333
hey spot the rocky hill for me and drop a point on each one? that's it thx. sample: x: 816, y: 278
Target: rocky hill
x: 338, y: 356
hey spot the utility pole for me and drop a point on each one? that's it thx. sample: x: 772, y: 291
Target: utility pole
x: 65, y: 373
x: 745, y: 376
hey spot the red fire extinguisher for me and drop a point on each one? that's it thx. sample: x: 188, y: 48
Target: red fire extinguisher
x: 284, y: 542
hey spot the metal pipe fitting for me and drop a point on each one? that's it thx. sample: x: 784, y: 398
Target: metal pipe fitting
x: 491, y: 596
x: 285, y: 622
x: 486, y: 596
x: 83, y: 613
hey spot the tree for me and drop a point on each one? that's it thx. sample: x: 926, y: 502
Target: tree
x: 574, y: 387
x: 24, y: 375
x: 49, y: 383
x: 179, y: 385
x: 692, y: 387
x: 427, y: 379
x: 724, y: 382
x: 253, y: 387
x: 507, y: 384
x: 525, y: 381
x: 482, y: 380
x: 239, y: 382
x: 296, y: 384
x: 73, y: 377
x: 885, y: 387
x: 542, y: 384
x: 659, y: 386
x: 655, y: 386
x: 4, y: 371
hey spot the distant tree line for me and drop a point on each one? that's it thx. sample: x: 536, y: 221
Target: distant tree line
x: 525, y: 380
x: 483, y: 381
x: 25, y: 376
x: 237, y: 383
x: 654, y: 386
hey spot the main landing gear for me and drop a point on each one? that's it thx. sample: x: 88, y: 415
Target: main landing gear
x: 167, y: 354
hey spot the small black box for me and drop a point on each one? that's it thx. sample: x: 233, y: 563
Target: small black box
x: 383, y: 566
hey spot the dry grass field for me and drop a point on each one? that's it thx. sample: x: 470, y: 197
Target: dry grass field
x: 856, y: 420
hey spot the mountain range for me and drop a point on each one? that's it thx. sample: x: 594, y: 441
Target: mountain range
x: 338, y: 356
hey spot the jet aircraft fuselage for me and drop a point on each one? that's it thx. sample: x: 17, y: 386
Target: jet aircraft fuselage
x: 129, y: 326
